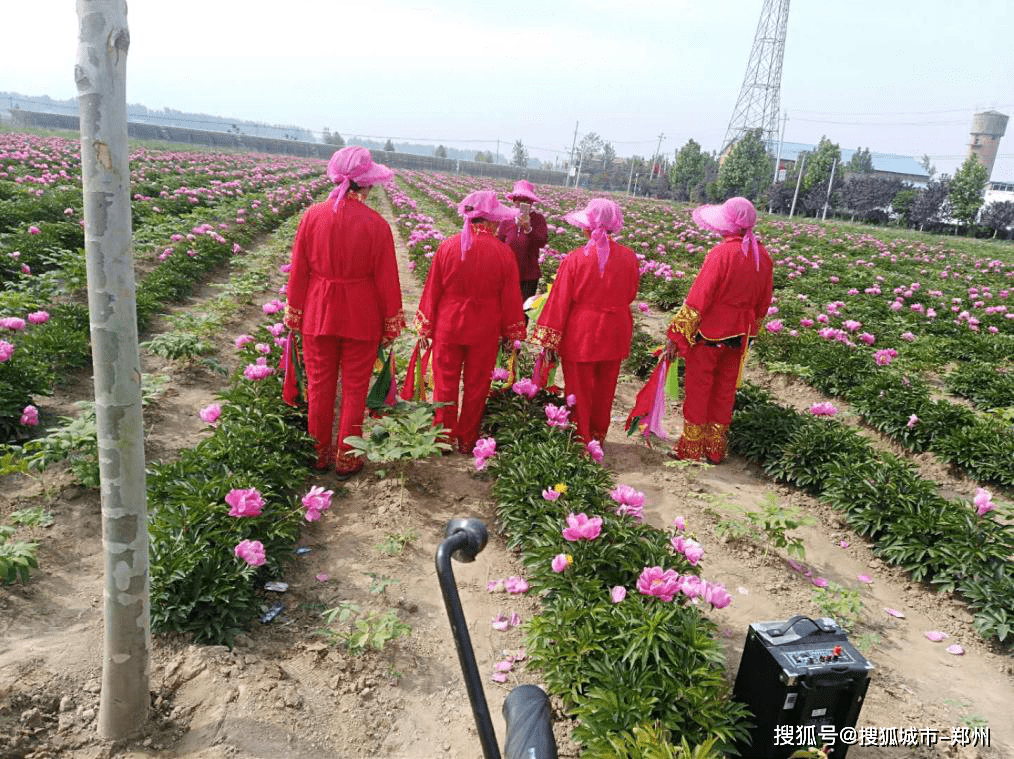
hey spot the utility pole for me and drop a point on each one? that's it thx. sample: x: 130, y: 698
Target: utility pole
x: 573, y: 145
x: 778, y: 160
x: 629, y: 178
x: 656, y: 158
x: 799, y: 179
x: 101, y: 78
x: 834, y: 165
x: 497, y: 151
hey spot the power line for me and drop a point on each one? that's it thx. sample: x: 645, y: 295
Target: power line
x: 880, y: 123
x: 897, y: 113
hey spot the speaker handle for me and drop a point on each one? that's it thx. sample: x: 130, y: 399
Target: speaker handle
x: 799, y: 618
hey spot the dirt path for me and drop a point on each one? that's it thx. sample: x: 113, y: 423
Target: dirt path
x: 284, y: 692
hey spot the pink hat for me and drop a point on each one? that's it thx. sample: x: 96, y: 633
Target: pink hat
x: 600, y: 217
x: 354, y: 164
x: 481, y: 204
x: 736, y: 216
x: 523, y: 189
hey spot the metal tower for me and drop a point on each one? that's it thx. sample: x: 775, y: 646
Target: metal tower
x: 759, y: 97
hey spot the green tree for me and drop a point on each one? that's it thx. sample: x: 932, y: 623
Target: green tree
x: 440, y: 151
x: 862, y: 194
x: 333, y: 138
x: 966, y: 190
x: 608, y: 156
x: 484, y: 156
x: 692, y: 168
x: 389, y: 146
x: 817, y: 176
x: 928, y: 166
x: 520, y: 155
x: 999, y: 217
x: 860, y: 163
x: 901, y: 204
x: 930, y: 204
x: 747, y: 169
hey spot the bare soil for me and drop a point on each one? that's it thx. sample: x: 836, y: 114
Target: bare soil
x: 284, y: 691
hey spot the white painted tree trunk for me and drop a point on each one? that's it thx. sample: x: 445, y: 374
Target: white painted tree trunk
x: 101, y: 83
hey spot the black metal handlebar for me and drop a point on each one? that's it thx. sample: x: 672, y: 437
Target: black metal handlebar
x: 526, y: 709
x: 465, y: 539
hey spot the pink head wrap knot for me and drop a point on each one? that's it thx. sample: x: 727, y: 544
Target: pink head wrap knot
x: 601, y: 217
x: 354, y: 164
x: 481, y: 204
x: 736, y: 216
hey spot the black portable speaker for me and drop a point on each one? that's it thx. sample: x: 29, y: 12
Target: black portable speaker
x: 804, y: 683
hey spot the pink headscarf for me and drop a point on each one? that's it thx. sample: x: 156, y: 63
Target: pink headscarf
x: 736, y: 216
x: 481, y: 204
x: 601, y: 217
x: 354, y: 164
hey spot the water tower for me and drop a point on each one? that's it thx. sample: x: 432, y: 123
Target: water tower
x: 987, y: 129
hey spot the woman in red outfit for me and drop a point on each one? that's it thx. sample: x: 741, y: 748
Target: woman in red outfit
x: 470, y: 302
x: 587, y: 319
x: 526, y: 236
x: 722, y: 311
x: 345, y: 298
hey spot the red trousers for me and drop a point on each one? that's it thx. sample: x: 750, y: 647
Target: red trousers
x: 327, y: 356
x: 475, y: 364
x: 593, y: 384
x: 711, y: 384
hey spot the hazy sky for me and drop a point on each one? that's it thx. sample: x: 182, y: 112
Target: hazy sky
x: 896, y: 76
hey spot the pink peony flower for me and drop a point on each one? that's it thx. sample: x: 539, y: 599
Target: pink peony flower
x: 895, y: 613
x: 571, y: 399
x: 550, y: 495
x: 276, y: 329
x: 716, y: 595
x: 883, y: 357
x: 263, y: 348
x: 525, y: 387
x: 243, y: 340
x: 820, y: 582
x: 935, y: 635
x: 251, y: 551
x: 774, y: 326
x: 582, y: 527
x: 867, y: 338
x: 500, y: 375
x: 983, y: 502
x: 515, y: 584
x: 273, y: 307
x: 33, y: 230
x: 913, y: 420
x: 244, y: 502
x: 38, y: 317
x: 13, y: 323
x: 30, y: 416
x: 316, y: 501
x: 210, y: 413
x: 955, y: 649
x: 561, y: 561
x: 257, y: 372
x: 617, y: 594
x: 594, y: 449
x: 6, y: 350
x: 864, y: 579
x: 824, y: 408
x: 557, y: 416
x: 643, y: 307
x: 656, y: 582
x: 680, y: 523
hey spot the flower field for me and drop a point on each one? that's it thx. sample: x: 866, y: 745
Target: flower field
x: 904, y: 343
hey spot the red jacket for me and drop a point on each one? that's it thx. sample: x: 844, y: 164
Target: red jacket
x: 471, y: 301
x: 526, y: 247
x: 344, y: 276
x: 587, y: 316
x: 729, y: 297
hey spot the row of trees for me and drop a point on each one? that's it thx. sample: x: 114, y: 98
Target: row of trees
x: 819, y: 183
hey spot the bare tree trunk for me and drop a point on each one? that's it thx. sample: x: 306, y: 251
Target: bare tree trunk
x: 101, y: 83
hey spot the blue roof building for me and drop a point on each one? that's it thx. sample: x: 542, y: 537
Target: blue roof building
x: 903, y: 167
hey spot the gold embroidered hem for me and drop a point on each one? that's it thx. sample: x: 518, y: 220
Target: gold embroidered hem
x: 685, y: 322
x: 345, y: 465
x: 715, y: 441
x: 393, y: 325
x: 516, y: 331
x: 547, y: 337
x: 422, y: 325
x: 690, y: 446
x: 293, y: 318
